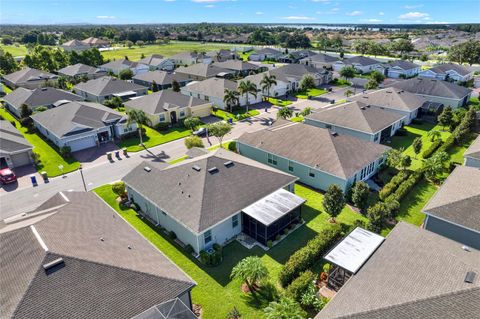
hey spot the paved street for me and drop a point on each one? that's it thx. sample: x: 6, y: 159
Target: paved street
x: 26, y: 197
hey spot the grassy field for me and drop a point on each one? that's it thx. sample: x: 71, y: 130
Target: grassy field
x: 279, y: 102
x: 214, y: 283
x: 310, y: 92
x: 50, y: 159
x: 174, y: 47
x: 236, y: 115
x: 19, y: 50
x: 154, y: 138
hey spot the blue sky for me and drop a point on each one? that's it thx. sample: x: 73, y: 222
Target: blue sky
x: 254, y: 11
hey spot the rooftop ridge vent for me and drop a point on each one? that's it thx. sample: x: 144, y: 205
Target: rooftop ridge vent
x: 54, y: 263
x: 470, y: 277
x: 147, y: 169
x: 228, y: 164
x: 196, y: 168
x: 334, y: 133
x: 213, y: 170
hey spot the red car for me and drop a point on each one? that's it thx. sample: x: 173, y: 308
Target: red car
x: 7, y: 176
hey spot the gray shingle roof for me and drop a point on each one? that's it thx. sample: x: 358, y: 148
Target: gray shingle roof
x: 39, y: 97
x: 268, y: 51
x: 161, y: 77
x: 159, y: 102
x: 94, y: 41
x: 357, y: 116
x: 212, y: 87
x: 392, y: 99
x: 458, y: 199
x: 297, y: 71
x: 153, y: 59
x: 28, y: 74
x: 11, y: 140
x: 99, y: 279
x: 70, y: 117
x: 442, y: 68
x: 321, y: 58
x: 237, y: 65
x: 339, y: 155
x: 404, y: 65
x: 202, y: 69
x: 200, y: 199
x: 362, y: 60
x: 415, y: 274
x: 119, y: 64
x: 80, y: 69
x: 432, y: 87
x: 107, y: 85
x: 474, y: 150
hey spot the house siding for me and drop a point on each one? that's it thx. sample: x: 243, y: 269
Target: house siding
x: 341, y: 130
x: 472, y: 162
x: 221, y: 232
x: 452, y: 231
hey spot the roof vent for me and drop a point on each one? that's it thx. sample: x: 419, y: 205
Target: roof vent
x: 334, y: 133
x: 44, y: 89
x: 196, y: 167
x: 466, y: 248
x: 213, y: 170
x: 228, y: 164
x: 147, y: 169
x: 363, y: 108
x: 54, y: 263
x: 470, y: 277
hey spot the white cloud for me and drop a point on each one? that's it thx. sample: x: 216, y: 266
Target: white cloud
x: 298, y: 18
x: 106, y: 17
x: 354, y: 13
x: 413, y: 16
x: 413, y: 6
x: 381, y: 13
x: 259, y: 13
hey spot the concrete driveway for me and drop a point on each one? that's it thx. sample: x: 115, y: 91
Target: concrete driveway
x: 95, y: 155
x: 23, y: 179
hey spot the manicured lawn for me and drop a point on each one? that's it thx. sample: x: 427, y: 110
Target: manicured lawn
x: 244, y: 56
x: 279, y: 102
x: 154, y: 138
x: 50, y: 159
x: 6, y: 89
x: 14, y: 50
x: 340, y: 82
x: 225, y: 115
x: 296, y: 119
x: 216, y: 292
x: 167, y: 50
x: 310, y: 92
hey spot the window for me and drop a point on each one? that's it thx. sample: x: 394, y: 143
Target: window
x: 207, y: 98
x: 311, y: 173
x: 290, y: 166
x: 272, y: 159
x: 182, y: 114
x: 207, y: 236
x: 161, y: 118
x: 234, y: 221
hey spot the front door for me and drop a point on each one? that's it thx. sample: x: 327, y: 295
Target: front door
x: 173, y: 117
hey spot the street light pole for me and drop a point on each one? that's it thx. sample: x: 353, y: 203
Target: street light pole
x: 83, y: 179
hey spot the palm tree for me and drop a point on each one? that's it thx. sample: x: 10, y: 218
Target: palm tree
x: 230, y: 98
x: 250, y: 270
x: 348, y: 72
x: 285, y: 308
x: 285, y: 112
x: 246, y: 88
x: 141, y: 119
x: 434, y: 135
x: 267, y: 82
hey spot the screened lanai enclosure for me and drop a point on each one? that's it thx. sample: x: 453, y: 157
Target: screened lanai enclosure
x: 171, y: 309
x: 268, y: 217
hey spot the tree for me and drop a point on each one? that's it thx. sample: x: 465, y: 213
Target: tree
x: 285, y: 112
x: 193, y: 141
x: 25, y: 111
x: 360, y: 193
x: 154, y: 86
x: 307, y: 82
x: 434, y: 135
x: 371, y: 84
x: 175, y: 86
x: 267, y: 82
x: 114, y: 103
x: 119, y: 189
x: 245, y: 88
x: 323, y: 41
x: 376, y: 215
x: 285, y: 308
x: 445, y: 118
x: 417, y: 145
x: 348, y: 93
x: 395, y: 158
x: 362, y: 46
x: 467, y: 52
x: 348, y: 72
x: 405, y: 162
x: 306, y: 111
x: 435, y: 165
x: 62, y: 82
x: 333, y: 201
x: 219, y: 130
x: 139, y: 117
x: 377, y: 76
x: 125, y: 74
x: 140, y: 43
x: 250, y: 270
x: 7, y: 62
x: 192, y: 122
x: 403, y: 46
x: 230, y: 98
x: 129, y: 44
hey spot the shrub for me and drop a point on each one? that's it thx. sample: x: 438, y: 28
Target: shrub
x: 193, y: 141
x: 119, y: 189
x: 278, y: 237
x: 162, y: 126
x: 447, y: 144
x: 188, y: 248
x: 269, y: 244
x: 391, y: 186
x: 298, y: 286
x: 312, y: 252
x: 26, y: 122
x: 65, y: 151
x: 404, y: 188
x: 433, y: 147
x: 172, y: 235
x: 135, y: 207
x: 232, y: 146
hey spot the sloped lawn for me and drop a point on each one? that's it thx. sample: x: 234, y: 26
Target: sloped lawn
x: 154, y: 138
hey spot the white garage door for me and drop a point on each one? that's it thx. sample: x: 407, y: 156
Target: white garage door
x: 83, y: 143
x: 20, y: 159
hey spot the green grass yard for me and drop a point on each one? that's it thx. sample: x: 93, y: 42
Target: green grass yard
x: 279, y: 102
x: 154, y: 138
x: 238, y: 114
x: 214, y: 283
x: 50, y: 159
x: 310, y: 92
x: 15, y: 50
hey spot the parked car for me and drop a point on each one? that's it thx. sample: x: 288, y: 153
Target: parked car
x: 200, y: 132
x: 7, y: 176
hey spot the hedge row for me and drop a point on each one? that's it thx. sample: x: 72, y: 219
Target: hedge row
x: 307, y: 256
x: 429, y: 151
x: 391, y: 186
x: 405, y: 187
x: 299, y: 285
x: 447, y: 144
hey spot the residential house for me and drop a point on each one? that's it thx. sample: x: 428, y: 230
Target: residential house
x: 158, y: 62
x: 319, y: 61
x: 35, y: 98
x: 295, y: 56
x: 212, y: 198
x: 361, y: 63
x: 28, y: 78
x: 414, y: 273
x: 222, y: 55
x: 75, y: 45
x: 96, y: 42
x: 163, y: 79
x: 316, y: 156
x: 453, y: 211
x: 117, y: 66
x: 104, y: 88
x: 358, y: 119
x: 265, y: 54
x: 97, y: 266
x: 81, y: 125
x: 15, y: 150
x: 202, y: 71
x: 448, y: 72
x: 167, y: 106
x: 189, y: 58
x: 472, y: 154
x: 446, y: 93
x: 401, y: 102
x: 401, y: 69
x: 239, y: 67
x: 282, y: 87
x: 79, y: 71
x: 213, y: 90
